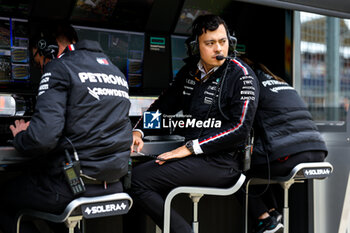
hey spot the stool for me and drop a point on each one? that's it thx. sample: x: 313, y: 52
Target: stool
x: 195, y: 193
x: 301, y: 172
x: 84, y: 207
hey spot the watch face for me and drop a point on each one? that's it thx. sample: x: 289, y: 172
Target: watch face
x: 189, y: 146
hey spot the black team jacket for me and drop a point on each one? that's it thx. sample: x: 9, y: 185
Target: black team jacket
x: 283, y: 125
x: 239, y: 100
x: 84, y: 97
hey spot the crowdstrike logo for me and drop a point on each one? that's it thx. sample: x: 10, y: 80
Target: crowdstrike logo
x: 96, y: 92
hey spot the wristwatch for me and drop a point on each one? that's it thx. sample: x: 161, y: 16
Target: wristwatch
x: 189, y: 146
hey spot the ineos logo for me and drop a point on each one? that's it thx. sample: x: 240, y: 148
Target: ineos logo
x: 42, y: 44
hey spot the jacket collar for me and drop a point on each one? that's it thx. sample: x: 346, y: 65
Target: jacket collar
x: 83, y: 45
x: 88, y: 45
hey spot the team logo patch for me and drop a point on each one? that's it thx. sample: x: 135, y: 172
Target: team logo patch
x: 317, y: 172
x: 42, y: 44
x: 105, y: 209
x: 102, y: 61
x: 151, y: 120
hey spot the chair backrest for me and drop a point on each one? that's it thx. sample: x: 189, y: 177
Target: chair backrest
x: 89, y: 207
x: 106, y: 206
x: 315, y: 170
x: 208, y: 190
x: 197, y: 191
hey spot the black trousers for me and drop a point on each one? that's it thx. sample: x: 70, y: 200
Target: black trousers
x: 268, y: 200
x: 39, y: 191
x: 152, y: 182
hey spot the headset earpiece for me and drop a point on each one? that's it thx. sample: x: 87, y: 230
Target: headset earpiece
x: 193, y: 47
x: 232, y: 43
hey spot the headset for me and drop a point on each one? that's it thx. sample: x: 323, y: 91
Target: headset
x: 193, y: 47
x: 47, y: 46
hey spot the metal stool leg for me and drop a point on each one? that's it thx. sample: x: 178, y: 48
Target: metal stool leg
x: 286, y: 212
x: 18, y: 223
x: 196, y: 193
x: 72, y: 222
x: 246, y: 207
x: 195, y: 199
x: 300, y: 173
x: 286, y: 186
x: 167, y: 209
x: 158, y: 230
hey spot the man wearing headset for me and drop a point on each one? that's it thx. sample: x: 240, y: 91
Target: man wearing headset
x: 75, y: 121
x: 209, y: 156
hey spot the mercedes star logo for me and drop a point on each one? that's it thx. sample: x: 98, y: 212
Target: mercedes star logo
x: 41, y: 44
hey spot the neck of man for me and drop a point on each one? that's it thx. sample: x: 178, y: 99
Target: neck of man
x: 62, y: 45
x: 207, y: 67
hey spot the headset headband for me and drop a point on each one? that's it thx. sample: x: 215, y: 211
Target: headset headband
x: 47, y: 46
x: 193, y: 46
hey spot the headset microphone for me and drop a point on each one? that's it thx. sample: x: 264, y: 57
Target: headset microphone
x: 220, y: 57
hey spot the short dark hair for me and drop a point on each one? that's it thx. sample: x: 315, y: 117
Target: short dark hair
x: 41, y: 32
x: 51, y: 31
x: 206, y: 22
x: 64, y: 29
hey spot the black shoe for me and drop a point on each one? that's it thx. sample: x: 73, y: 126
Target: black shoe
x: 268, y: 225
x: 277, y: 215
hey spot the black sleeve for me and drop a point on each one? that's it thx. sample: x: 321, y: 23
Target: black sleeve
x: 48, y: 120
x: 243, y: 98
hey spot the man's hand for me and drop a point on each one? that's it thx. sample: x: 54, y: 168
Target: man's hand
x: 136, y: 141
x: 20, y: 125
x: 178, y: 153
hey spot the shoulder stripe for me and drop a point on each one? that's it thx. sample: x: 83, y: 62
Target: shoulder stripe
x: 245, y: 71
x: 234, y: 129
